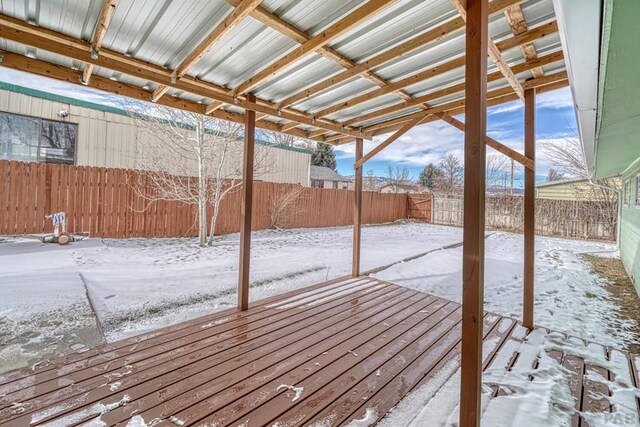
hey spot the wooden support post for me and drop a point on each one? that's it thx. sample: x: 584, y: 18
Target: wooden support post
x: 357, y: 211
x: 474, y: 202
x: 247, y: 203
x: 529, y: 206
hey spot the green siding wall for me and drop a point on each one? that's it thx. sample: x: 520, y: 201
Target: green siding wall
x: 630, y: 229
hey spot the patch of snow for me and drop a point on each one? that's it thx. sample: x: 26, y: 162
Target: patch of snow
x: 414, y: 403
x: 115, y: 386
x: 137, y: 421
x: 569, y: 295
x: 98, y: 409
x: 369, y: 419
x: 297, y: 391
x: 353, y: 353
x: 177, y: 421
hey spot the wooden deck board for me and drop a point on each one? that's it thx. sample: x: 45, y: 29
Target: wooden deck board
x: 342, y: 349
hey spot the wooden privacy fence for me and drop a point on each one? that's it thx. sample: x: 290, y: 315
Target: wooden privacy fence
x: 559, y: 218
x: 419, y: 207
x: 103, y: 202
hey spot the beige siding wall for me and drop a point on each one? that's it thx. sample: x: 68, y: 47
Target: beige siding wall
x: 108, y: 139
x: 569, y: 191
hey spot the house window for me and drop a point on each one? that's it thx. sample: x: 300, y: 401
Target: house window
x: 317, y: 183
x: 638, y: 191
x: 625, y: 193
x: 31, y: 139
x: 335, y: 185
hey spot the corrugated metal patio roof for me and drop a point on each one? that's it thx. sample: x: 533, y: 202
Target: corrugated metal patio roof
x: 416, y: 46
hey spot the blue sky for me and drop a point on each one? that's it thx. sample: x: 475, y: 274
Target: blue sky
x: 422, y: 145
x: 555, y: 120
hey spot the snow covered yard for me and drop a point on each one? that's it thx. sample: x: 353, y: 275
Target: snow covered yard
x: 569, y: 296
x: 140, y: 284
x: 48, y: 293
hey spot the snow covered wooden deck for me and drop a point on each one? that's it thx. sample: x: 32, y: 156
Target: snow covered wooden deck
x: 348, y: 349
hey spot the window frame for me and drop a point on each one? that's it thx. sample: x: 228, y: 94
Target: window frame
x: 637, y: 204
x: 626, y: 192
x: 40, y: 120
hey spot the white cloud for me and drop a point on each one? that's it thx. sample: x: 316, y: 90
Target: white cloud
x: 423, y: 144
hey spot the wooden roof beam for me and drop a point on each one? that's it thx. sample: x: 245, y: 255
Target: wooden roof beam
x: 38, y: 37
x: 104, y: 19
x: 406, y: 128
x: 518, y: 25
x: 359, y: 15
x: 430, y: 36
x: 241, y: 11
x: 495, y: 54
x: 57, y: 72
x: 429, y: 97
x: 494, y: 97
x: 533, y: 83
x: 459, y: 109
x: 509, y: 152
x: 426, y: 74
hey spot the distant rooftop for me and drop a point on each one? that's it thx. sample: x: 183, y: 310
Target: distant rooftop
x: 326, y: 174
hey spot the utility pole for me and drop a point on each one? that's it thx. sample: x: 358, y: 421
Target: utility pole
x: 512, y: 167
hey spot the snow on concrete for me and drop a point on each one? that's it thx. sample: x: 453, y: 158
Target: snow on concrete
x: 44, y: 312
x: 569, y: 296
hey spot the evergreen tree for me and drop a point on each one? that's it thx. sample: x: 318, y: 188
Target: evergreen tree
x: 324, y: 156
x: 429, y: 175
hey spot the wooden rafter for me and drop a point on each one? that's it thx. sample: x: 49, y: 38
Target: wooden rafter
x: 429, y: 97
x: 45, y: 69
x: 495, y: 55
x: 38, y: 37
x: 518, y: 25
x: 424, y: 39
x: 537, y: 33
x: 509, y: 152
x: 384, y: 144
x: 461, y: 102
x: 423, y: 75
x: 299, y: 36
x: 104, y: 19
x: 241, y: 11
x: 316, y: 42
x: 457, y: 108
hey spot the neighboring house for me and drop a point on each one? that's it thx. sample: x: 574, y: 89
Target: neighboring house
x: 38, y: 126
x: 404, y: 188
x: 324, y: 177
x: 569, y: 189
x: 603, y: 69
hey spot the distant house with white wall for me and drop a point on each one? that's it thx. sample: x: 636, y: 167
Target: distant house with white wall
x: 325, y: 177
x: 37, y: 126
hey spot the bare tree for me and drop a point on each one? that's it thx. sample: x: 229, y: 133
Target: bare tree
x: 176, y: 145
x: 567, y: 159
x: 554, y: 175
x: 369, y: 181
x: 396, y: 176
x: 496, y: 170
x: 452, y: 178
x: 285, y: 205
